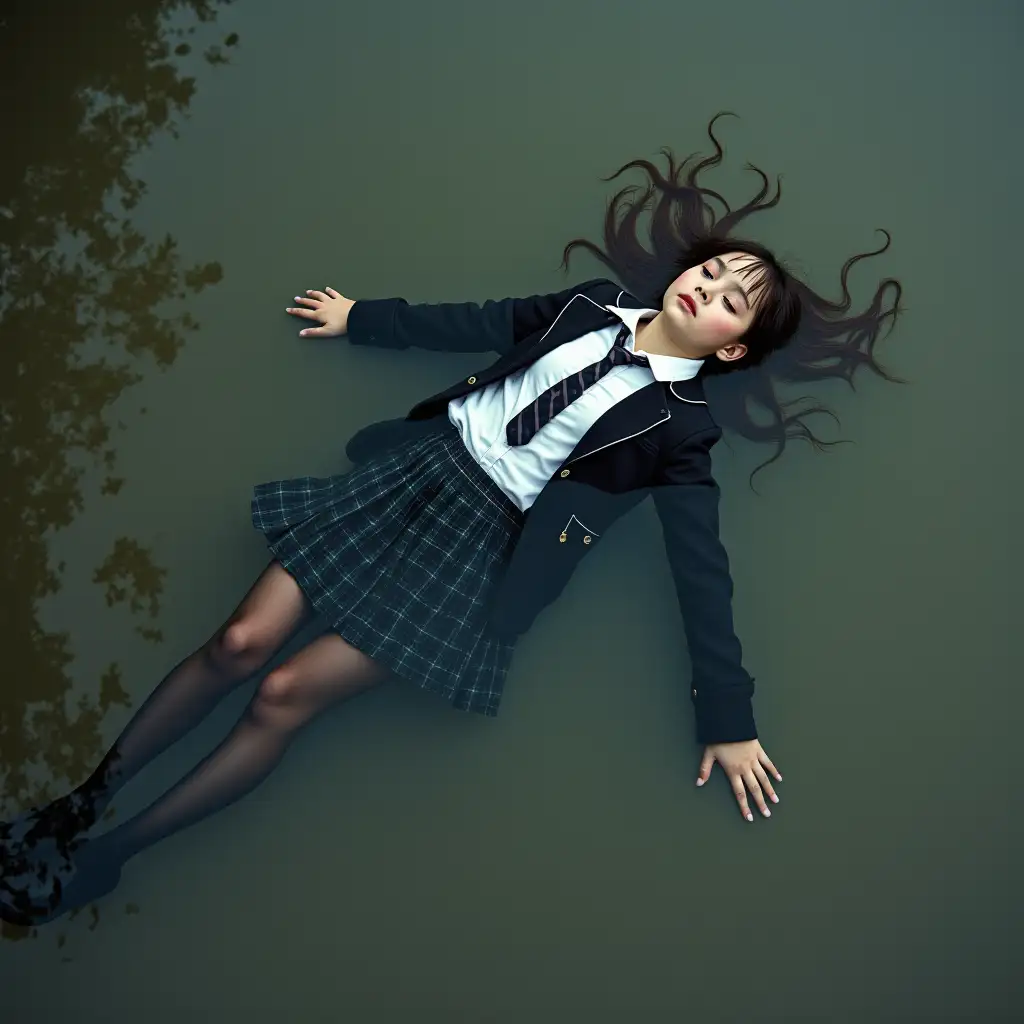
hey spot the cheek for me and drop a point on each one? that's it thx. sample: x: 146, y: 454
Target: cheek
x: 723, y: 328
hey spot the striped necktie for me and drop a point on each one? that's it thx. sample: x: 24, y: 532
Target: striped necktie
x: 549, y: 404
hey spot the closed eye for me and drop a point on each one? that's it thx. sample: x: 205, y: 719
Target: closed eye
x: 728, y: 305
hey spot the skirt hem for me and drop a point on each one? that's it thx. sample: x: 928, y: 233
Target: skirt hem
x: 369, y: 642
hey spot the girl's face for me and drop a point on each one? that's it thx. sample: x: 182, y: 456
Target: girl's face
x: 708, y: 307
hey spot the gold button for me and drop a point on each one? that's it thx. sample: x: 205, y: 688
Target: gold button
x: 472, y: 380
x: 695, y: 693
x: 562, y: 538
x: 586, y: 540
x: 564, y: 473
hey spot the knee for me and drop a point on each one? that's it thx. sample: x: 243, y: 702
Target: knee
x: 281, y: 686
x: 237, y: 651
x: 278, y: 696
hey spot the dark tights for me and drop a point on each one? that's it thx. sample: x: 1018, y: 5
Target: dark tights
x: 42, y: 853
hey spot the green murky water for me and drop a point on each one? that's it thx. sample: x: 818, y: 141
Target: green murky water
x: 173, y: 175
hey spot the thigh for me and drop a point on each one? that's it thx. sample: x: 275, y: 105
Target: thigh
x: 326, y: 670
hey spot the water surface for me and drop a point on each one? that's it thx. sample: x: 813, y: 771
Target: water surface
x: 556, y: 863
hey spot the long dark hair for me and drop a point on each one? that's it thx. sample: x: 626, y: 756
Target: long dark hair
x: 795, y: 335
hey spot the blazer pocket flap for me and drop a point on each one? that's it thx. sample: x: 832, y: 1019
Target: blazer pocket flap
x: 576, y: 531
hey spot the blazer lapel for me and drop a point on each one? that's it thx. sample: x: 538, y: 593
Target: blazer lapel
x: 580, y: 316
x: 636, y: 414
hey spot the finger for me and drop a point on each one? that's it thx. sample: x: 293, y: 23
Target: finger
x: 767, y: 762
x: 307, y: 300
x: 316, y: 294
x: 312, y: 332
x: 333, y: 294
x: 755, y: 788
x: 766, y: 783
x: 741, y: 796
x: 309, y: 314
x: 705, y: 768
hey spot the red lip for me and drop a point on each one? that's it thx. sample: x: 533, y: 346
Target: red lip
x: 689, y: 303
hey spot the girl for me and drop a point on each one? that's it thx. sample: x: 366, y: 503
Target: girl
x: 462, y: 521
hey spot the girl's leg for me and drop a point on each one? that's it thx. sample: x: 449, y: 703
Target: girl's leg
x: 266, y: 618
x: 322, y: 673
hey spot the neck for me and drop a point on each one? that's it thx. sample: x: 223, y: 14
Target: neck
x: 652, y: 337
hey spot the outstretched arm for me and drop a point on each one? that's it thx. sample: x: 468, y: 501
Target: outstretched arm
x: 686, y: 497
x: 497, y: 325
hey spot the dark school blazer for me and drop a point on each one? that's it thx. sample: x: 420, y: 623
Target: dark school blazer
x: 657, y: 441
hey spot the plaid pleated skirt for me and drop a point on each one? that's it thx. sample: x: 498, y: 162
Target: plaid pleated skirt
x: 401, y: 555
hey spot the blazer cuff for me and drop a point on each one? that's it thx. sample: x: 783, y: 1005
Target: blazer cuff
x: 371, y: 322
x: 724, y: 718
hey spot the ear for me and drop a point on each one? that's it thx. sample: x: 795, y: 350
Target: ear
x: 729, y: 353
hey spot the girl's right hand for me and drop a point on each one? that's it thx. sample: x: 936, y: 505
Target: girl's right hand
x: 329, y: 309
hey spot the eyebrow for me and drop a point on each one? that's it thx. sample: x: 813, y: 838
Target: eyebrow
x: 722, y: 268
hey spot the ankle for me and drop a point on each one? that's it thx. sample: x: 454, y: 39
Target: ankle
x: 61, y: 820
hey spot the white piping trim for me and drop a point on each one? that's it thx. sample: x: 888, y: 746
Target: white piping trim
x: 617, y: 440
x: 585, y: 527
x: 692, y: 401
x: 590, y: 300
x: 578, y: 295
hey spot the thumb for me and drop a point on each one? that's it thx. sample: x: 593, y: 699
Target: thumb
x: 705, y: 767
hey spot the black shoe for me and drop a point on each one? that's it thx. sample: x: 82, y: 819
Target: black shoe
x: 47, y: 889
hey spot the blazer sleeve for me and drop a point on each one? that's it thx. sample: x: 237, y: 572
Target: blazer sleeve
x: 497, y: 325
x: 686, y: 497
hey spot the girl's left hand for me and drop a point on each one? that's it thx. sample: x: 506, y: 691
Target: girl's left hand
x: 743, y: 763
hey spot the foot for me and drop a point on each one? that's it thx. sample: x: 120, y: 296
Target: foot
x: 44, y: 830
x: 35, y: 848
x: 47, y: 888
